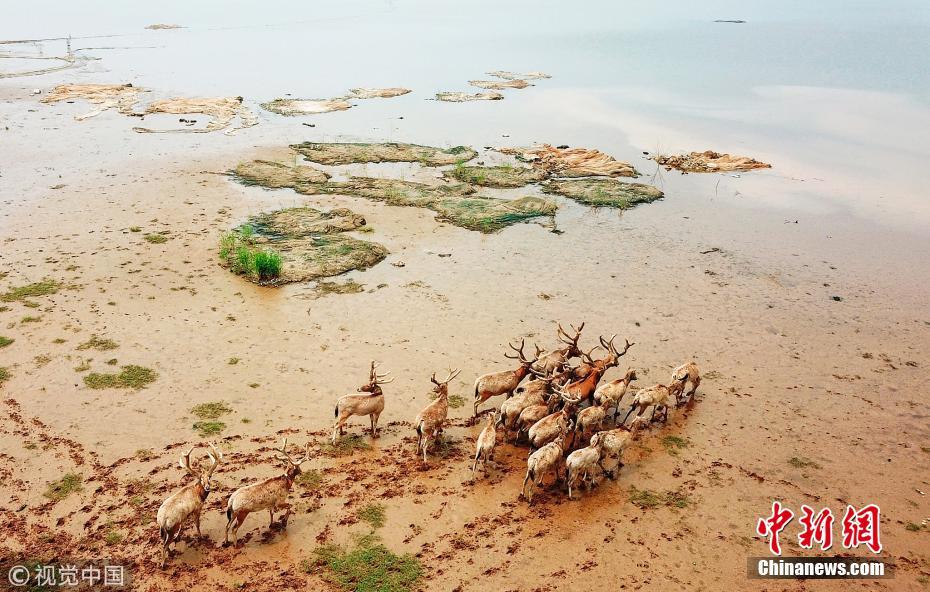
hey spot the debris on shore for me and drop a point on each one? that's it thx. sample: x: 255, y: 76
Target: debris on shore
x: 505, y: 75
x: 162, y: 26
x: 293, y: 107
x: 122, y: 97
x: 298, y: 245
x: 709, y: 162
x: 572, y: 162
x: 495, y: 176
x: 222, y: 111
x: 604, y: 192
x: 462, y: 97
x: 377, y: 93
x: 352, y: 153
x: 499, y: 85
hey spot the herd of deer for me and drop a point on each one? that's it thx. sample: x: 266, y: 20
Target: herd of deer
x: 548, y: 411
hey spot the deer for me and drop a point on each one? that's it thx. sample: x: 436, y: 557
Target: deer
x: 430, y: 420
x: 505, y: 381
x: 542, y: 461
x: 590, y: 419
x: 582, y: 370
x: 484, y: 446
x: 614, y: 391
x: 535, y: 392
x: 682, y: 375
x: 614, y: 443
x: 187, y: 502
x: 370, y: 404
x: 657, y: 396
x: 547, y: 363
x: 269, y: 494
x: 585, y: 387
x: 582, y: 464
x: 549, y: 427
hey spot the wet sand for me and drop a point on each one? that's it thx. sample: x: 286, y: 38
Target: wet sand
x: 789, y: 370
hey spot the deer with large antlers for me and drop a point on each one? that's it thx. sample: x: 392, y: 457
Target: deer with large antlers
x: 429, y: 422
x: 585, y: 387
x: 506, y: 381
x: 270, y: 494
x: 370, y: 404
x: 547, y: 363
x: 186, y: 503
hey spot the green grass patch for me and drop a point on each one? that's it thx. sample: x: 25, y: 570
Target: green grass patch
x: 84, y: 366
x: 135, y: 229
x: 113, y: 537
x: 209, y: 428
x: 233, y: 361
x: 323, y: 288
x: 373, y: 514
x: 802, y: 463
x: 213, y: 410
x: 155, y: 238
x: 238, y: 251
x: 310, y: 479
x: 674, y: 443
x: 98, y: 343
x: 647, y: 499
x: 31, y: 319
x: 30, y: 304
x: 914, y: 527
x: 4, y: 375
x: 345, y: 445
x: 5, y: 341
x: 134, y: 377
x: 369, y: 567
x: 59, y: 490
x: 43, y: 288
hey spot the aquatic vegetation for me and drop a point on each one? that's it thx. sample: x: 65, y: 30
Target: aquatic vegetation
x: 709, y: 162
x: 62, y: 488
x: 603, y: 192
x: 43, y: 288
x: 98, y: 343
x: 335, y: 153
x: 131, y: 376
x: 221, y: 110
x: 274, y: 175
x: 495, y: 176
x: 292, y: 107
x: 572, y: 162
x: 462, y: 97
x: 307, y: 244
x: 500, y: 84
x: 122, y: 97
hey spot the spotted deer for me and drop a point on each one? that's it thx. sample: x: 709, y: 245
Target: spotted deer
x: 370, y: 404
x: 429, y: 422
x: 504, y: 382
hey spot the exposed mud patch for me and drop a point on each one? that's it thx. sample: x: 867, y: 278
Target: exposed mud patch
x: 604, y: 192
x: 293, y: 107
x: 309, y: 242
x: 500, y: 85
x: 709, y: 162
x: 221, y: 110
x: 496, y: 176
x: 572, y: 162
x: 275, y: 174
x: 122, y: 97
x: 377, y: 93
x: 463, y: 97
x: 349, y: 153
x: 162, y: 26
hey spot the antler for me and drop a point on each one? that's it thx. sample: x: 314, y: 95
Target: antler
x: 375, y: 378
x: 560, y: 390
x: 539, y: 350
x: 587, y: 356
x: 185, y: 462
x: 519, y: 355
x: 215, y: 457
x: 452, y: 374
x: 570, y: 340
x: 283, y: 455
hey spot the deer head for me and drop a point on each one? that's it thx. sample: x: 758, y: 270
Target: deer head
x: 613, y: 356
x: 526, y: 364
x: 292, y: 466
x: 572, y: 342
x: 375, y: 380
x: 442, y: 387
x: 202, y: 474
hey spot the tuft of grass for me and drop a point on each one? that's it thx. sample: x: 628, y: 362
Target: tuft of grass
x: 456, y: 401
x: 113, y: 537
x: 43, y: 288
x: 59, y: 340
x: 98, y: 343
x: 674, y: 443
x: 369, y: 567
x: 84, y: 366
x: 5, y: 341
x: 267, y: 265
x: 914, y: 527
x: 41, y: 360
x: 4, y: 375
x: 59, y: 490
x: 31, y: 319
x: 311, y: 479
x: 646, y: 499
x: 134, y: 377
x: 30, y: 304
x: 209, y: 428
x: 213, y: 410
x: 135, y: 229
x: 373, y: 514
x: 233, y: 361
x: 802, y: 463
x: 155, y: 239
x: 345, y: 446
x: 324, y: 288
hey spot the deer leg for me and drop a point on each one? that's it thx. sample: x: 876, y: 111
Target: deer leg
x: 695, y: 383
x: 270, y: 517
x: 287, y: 514
x: 372, y: 419
x: 376, y: 416
x: 632, y: 407
x: 197, y: 523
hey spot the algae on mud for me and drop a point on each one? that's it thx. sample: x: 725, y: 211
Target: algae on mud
x: 336, y: 153
x: 495, y: 176
x: 274, y: 175
x: 603, y: 192
x: 572, y: 162
x: 311, y: 244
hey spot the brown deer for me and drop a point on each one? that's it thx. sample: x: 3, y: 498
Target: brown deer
x: 506, y: 381
x: 371, y: 404
x: 614, y: 391
x: 550, y: 362
x: 548, y: 428
x: 585, y: 387
x: 681, y: 376
x: 535, y: 392
x: 545, y: 460
x: 186, y: 503
x: 270, y: 494
x: 429, y: 422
